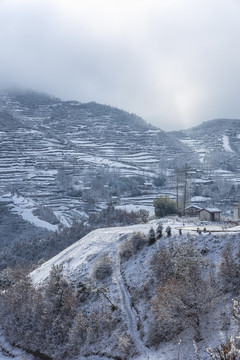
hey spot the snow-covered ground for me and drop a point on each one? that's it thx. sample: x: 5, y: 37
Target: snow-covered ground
x: 131, y: 207
x: 90, y: 246
x: 7, y: 351
x: 196, y: 146
x: 226, y: 144
x: 78, y: 259
x: 24, y: 207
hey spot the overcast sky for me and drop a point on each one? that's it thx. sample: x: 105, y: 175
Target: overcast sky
x: 176, y: 63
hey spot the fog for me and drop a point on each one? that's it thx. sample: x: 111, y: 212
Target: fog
x: 176, y: 63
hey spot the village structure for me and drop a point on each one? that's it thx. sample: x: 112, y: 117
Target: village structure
x: 236, y: 212
x: 211, y: 214
x: 208, y: 214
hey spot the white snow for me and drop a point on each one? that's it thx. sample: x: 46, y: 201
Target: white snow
x: 135, y: 207
x: 24, y: 207
x: 199, y: 199
x: 13, y: 352
x: 78, y: 259
x: 197, y: 146
x: 226, y: 144
x: 77, y: 255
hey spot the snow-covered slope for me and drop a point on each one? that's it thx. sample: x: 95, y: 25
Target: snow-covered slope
x: 80, y: 259
x: 51, y: 150
x: 215, y: 141
x: 80, y: 256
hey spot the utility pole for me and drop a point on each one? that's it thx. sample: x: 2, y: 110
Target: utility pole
x: 177, y: 189
x: 185, y: 186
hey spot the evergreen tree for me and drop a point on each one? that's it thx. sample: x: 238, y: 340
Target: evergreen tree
x: 168, y: 231
x: 151, y: 237
x: 159, y: 231
x: 164, y: 206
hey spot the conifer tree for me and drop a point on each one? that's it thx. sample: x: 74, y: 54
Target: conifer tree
x: 159, y: 231
x: 151, y: 237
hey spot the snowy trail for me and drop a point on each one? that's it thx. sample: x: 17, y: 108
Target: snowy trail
x: 132, y: 318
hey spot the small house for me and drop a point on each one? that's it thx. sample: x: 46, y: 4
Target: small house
x: 210, y: 214
x: 236, y: 212
x: 192, y: 210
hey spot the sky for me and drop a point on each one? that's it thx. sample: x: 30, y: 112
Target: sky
x: 175, y: 63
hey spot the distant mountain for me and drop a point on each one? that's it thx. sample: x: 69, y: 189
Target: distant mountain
x: 75, y: 158
x: 215, y: 141
x: 67, y: 155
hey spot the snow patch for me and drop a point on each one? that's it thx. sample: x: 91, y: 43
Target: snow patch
x: 24, y: 207
x: 226, y: 144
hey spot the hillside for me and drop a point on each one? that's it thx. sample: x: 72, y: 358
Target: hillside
x: 75, y: 158
x: 70, y: 156
x: 114, y: 277
x: 214, y: 140
x: 113, y: 294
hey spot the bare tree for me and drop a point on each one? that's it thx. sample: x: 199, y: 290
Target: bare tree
x: 185, y: 297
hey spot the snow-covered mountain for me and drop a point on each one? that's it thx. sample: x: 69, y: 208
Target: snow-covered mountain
x: 61, y: 160
x: 215, y: 140
x: 51, y: 152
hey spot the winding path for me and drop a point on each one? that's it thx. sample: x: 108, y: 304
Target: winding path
x: 131, y: 314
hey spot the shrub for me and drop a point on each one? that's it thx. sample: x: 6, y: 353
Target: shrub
x: 151, y: 237
x: 186, y: 296
x: 226, y: 351
x: 163, y: 264
x: 164, y: 206
x: 230, y: 271
x: 159, y: 231
x: 168, y: 231
x: 159, y: 181
x: 132, y: 245
x: 102, y: 268
x: 45, y: 213
x: 182, y: 303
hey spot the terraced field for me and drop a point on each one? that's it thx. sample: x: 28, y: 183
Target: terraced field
x: 51, y: 151
x: 72, y: 157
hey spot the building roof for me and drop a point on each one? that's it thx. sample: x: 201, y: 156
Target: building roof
x: 193, y: 206
x: 212, y: 210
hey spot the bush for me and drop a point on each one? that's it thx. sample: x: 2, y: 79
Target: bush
x: 117, y: 217
x: 159, y: 231
x: 102, y: 268
x: 164, y: 206
x: 132, y: 245
x: 230, y: 271
x: 159, y: 181
x: 168, y: 231
x: 163, y: 264
x: 45, y: 213
x: 151, y: 237
x: 183, y: 298
x: 226, y: 351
